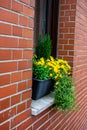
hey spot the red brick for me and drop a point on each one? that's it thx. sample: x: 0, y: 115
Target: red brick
x: 7, y: 91
x: 5, y: 55
x: 8, y: 67
x: 68, y: 35
x: 30, y: 128
x: 29, y: 103
x: 29, y: 83
x: 21, y: 107
x: 32, y: 3
x: 55, y: 123
x: 45, y: 112
x: 22, y: 86
x: 72, y: 30
x: 22, y: 65
x: 68, y: 47
x: 62, y: 1
x: 70, y: 13
x: 17, y: 31
x: 45, y: 125
x: 15, y: 99
x: 61, y: 24
x: 24, y: 1
x: 70, y: 1
x: 53, y: 112
x: 72, y: 18
x: 71, y: 41
x: 8, y: 16
x: 25, y: 125
x: 27, y: 54
x: 73, y: 6
x: 63, y: 41
x: 4, y: 79
x: 63, y: 30
x: 70, y: 24
x: 5, y: 4
x: 15, y: 77
x: 5, y: 28
x: 27, y: 33
x: 31, y: 22
x: 63, y: 52
x: 21, y: 117
x: 25, y: 43
x: 17, y: 54
x: 71, y: 53
x: 5, y: 126
x: 8, y: 42
x: 17, y: 6
x: 28, y: 11
x: 60, y: 46
x: 40, y: 122
x: 24, y: 21
x: 63, y: 19
x: 60, y: 35
x: 68, y: 58
x: 4, y: 104
x: 29, y: 64
x: 27, y: 74
x: 62, y: 13
x: 26, y: 95
x: 7, y: 114
x: 58, y: 114
x: 65, y: 7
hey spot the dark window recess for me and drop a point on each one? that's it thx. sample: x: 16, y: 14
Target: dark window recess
x: 46, y: 21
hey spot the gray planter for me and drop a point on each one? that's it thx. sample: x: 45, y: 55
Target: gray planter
x: 41, y: 88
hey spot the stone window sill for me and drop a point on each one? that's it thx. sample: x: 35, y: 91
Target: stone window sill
x: 41, y: 104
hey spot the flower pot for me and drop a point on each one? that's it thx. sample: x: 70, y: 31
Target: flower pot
x: 41, y: 88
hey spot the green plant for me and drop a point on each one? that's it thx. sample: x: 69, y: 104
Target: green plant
x: 64, y: 97
x: 57, y: 67
x: 40, y: 71
x: 59, y: 70
x: 44, y: 47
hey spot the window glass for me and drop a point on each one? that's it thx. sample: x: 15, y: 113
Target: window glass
x: 46, y: 21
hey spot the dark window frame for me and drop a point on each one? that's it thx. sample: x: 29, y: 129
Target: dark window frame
x: 51, y: 25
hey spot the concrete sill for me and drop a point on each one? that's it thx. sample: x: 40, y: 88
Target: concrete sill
x: 41, y: 104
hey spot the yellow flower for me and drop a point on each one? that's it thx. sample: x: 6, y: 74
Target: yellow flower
x: 55, y: 69
x: 51, y: 75
x: 51, y: 58
x: 60, y: 75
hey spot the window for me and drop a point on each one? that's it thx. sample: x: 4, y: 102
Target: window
x: 46, y: 21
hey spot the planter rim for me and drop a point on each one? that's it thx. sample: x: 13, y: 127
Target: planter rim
x: 41, y: 79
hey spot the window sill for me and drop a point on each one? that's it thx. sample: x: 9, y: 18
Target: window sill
x: 41, y: 104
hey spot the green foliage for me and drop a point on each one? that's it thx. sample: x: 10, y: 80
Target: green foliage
x: 44, y: 47
x: 64, y: 93
x: 46, y: 67
x: 40, y: 72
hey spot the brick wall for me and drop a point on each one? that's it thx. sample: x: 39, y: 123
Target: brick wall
x: 80, y: 62
x: 72, y: 46
x: 16, y: 50
x: 16, y: 42
x: 67, y: 30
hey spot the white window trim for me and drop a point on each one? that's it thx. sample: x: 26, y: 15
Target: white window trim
x: 41, y: 104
